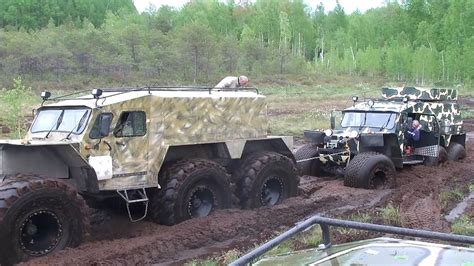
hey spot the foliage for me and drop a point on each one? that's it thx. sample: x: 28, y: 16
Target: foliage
x: 463, y: 226
x: 453, y: 195
x: 356, y: 217
x: 418, y: 41
x: 14, y: 101
x: 391, y: 215
x: 37, y: 14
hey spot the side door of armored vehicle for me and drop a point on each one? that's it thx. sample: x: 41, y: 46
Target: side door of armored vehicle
x: 122, y: 154
x: 428, y: 144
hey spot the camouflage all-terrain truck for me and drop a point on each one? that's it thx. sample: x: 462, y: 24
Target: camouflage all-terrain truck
x: 369, y: 141
x: 171, y: 153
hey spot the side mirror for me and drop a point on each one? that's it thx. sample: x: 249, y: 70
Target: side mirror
x: 333, y: 121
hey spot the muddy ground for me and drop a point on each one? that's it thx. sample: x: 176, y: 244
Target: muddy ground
x: 422, y: 195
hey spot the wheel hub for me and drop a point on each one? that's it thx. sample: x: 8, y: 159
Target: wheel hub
x: 40, y: 233
x: 272, y: 191
x: 201, y: 202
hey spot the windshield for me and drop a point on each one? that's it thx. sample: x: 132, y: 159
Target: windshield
x: 61, y: 120
x: 364, y: 119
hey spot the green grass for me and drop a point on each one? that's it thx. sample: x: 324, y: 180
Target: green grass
x: 224, y: 259
x: 357, y: 217
x: 294, y: 109
x: 463, y: 226
x: 391, y: 215
x: 471, y: 188
x: 295, y: 124
x: 454, y: 195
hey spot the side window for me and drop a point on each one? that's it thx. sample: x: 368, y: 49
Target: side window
x: 101, y: 126
x: 131, y: 124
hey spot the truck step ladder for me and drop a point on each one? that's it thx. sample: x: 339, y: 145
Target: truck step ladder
x: 139, y: 196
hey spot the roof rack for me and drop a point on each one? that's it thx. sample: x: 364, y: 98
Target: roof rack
x: 149, y: 89
x: 178, y: 88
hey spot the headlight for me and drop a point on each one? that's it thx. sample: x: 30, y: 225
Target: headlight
x: 353, y: 134
x: 328, y: 132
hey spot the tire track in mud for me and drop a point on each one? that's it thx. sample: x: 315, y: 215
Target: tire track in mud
x: 163, y: 244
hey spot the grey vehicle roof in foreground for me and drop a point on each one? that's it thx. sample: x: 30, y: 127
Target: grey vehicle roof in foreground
x: 386, y: 251
x: 379, y: 251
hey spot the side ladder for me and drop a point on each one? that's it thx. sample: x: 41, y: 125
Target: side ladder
x: 134, y: 196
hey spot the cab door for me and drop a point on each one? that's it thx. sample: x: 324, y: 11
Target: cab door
x: 130, y: 145
x: 428, y: 145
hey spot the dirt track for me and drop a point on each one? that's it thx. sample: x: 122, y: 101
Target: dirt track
x: 417, y: 194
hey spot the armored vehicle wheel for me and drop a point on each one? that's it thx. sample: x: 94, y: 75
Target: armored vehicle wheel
x: 434, y: 161
x: 191, y: 188
x: 312, y: 167
x: 39, y: 216
x: 456, y: 152
x: 265, y: 179
x: 370, y: 170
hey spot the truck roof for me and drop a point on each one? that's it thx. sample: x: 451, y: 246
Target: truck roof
x: 381, y: 106
x: 421, y: 94
x: 113, y: 96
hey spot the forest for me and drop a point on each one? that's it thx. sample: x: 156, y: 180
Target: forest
x: 425, y: 42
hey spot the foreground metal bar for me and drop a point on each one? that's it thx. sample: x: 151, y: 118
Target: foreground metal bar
x: 326, y: 222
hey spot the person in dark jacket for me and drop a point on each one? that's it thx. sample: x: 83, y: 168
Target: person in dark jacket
x: 411, y: 136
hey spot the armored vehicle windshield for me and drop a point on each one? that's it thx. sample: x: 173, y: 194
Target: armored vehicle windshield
x: 383, y: 120
x: 65, y: 119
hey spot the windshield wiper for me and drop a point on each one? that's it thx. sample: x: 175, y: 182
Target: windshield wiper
x: 364, y: 123
x: 386, y: 124
x: 58, y: 122
x: 79, y: 125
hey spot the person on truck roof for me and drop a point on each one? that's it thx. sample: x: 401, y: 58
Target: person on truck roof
x: 233, y: 82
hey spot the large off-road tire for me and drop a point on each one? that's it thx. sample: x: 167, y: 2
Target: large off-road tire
x: 190, y: 188
x: 312, y: 167
x: 370, y: 170
x: 456, y: 152
x: 39, y: 216
x: 266, y: 179
x: 434, y: 161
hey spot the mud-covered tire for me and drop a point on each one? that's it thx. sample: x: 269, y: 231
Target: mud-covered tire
x: 190, y: 188
x: 456, y: 152
x: 266, y: 179
x: 39, y: 216
x: 434, y: 161
x: 312, y: 167
x: 370, y: 170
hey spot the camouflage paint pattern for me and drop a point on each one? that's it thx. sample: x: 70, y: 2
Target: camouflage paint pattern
x: 425, y: 94
x: 172, y: 118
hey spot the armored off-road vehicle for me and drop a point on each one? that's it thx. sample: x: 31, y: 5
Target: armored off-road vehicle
x: 171, y: 153
x: 369, y: 142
